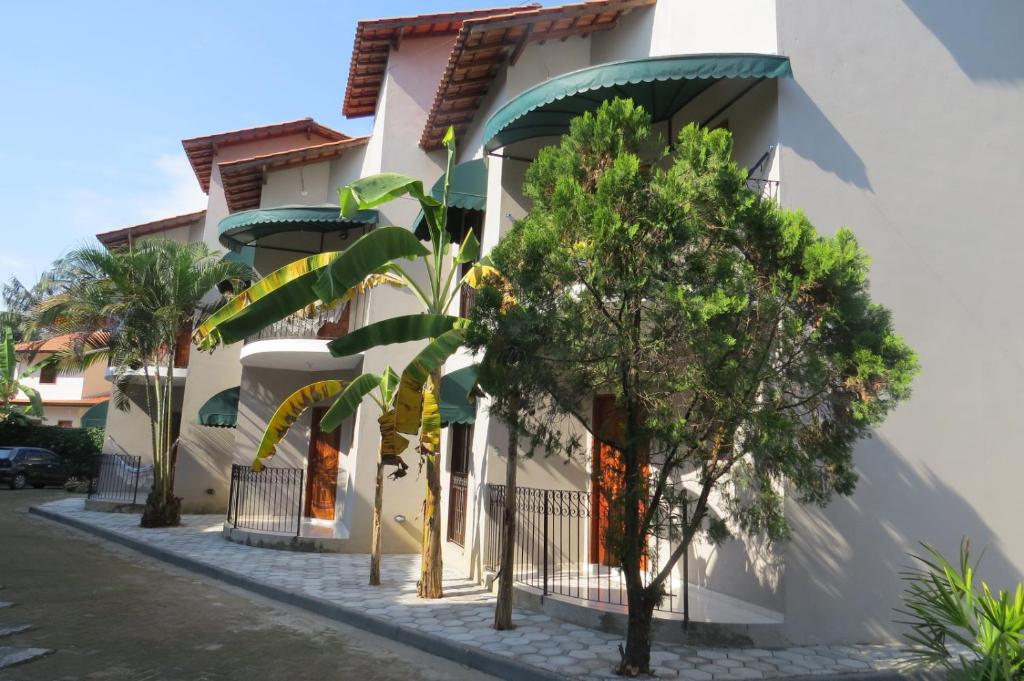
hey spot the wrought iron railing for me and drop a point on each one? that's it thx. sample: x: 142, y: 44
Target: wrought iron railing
x: 555, y: 551
x: 267, y: 501
x: 320, y: 322
x: 766, y: 189
x: 457, y: 498
x: 119, y: 477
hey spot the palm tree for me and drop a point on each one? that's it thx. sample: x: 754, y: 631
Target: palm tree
x: 144, y: 297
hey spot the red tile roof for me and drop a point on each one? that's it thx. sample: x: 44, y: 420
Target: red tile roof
x: 375, y: 38
x: 201, y: 150
x: 243, y: 179
x: 123, y: 236
x: 60, y: 342
x: 485, y: 45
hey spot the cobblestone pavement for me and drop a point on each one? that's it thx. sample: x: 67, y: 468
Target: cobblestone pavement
x: 466, y: 612
x: 106, y: 613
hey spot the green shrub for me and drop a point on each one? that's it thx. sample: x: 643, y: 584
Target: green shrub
x: 975, y: 634
x: 76, y: 446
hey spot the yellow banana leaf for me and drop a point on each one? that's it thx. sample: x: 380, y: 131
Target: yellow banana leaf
x: 408, y: 403
x: 273, y: 297
x: 289, y: 412
x: 481, y: 274
x: 392, y: 444
x: 430, y: 432
x: 370, y: 282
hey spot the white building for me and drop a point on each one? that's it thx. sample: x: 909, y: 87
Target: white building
x: 897, y: 119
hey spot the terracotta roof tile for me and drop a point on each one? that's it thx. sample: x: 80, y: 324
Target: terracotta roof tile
x: 243, y: 179
x: 122, y: 236
x: 375, y: 38
x: 485, y: 45
x: 201, y: 150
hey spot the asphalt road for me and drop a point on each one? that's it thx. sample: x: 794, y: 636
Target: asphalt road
x: 113, y: 615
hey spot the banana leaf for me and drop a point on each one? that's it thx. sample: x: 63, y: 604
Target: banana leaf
x: 8, y: 360
x: 273, y: 298
x: 430, y: 434
x: 409, y: 403
x: 365, y: 257
x: 349, y: 400
x: 289, y: 412
x: 35, y: 406
x: 392, y: 444
x: 401, y: 329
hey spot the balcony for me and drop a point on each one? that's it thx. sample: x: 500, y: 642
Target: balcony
x: 299, y: 342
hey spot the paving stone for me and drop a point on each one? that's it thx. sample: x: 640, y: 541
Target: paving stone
x: 467, y: 611
x: 14, y: 629
x: 10, y: 656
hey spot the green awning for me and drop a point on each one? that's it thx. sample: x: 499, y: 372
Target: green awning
x: 221, y: 410
x: 468, y: 191
x: 457, y: 405
x: 662, y: 85
x: 247, y: 226
x: 246, y: 255
x: 96, y: 415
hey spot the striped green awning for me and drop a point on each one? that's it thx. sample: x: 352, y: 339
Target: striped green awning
x: 662, y: 85
x: 221, y: 410
x: 457, y: 403
x: 467, y: 190
x: 96, y: 415
x: 246, y: 227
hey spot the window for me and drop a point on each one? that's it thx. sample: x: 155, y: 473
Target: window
x: 6, y: 453
x: 63, y: 424
x: 48, y: 374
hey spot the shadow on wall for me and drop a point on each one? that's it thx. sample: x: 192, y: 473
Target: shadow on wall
x: 842, y: 563
x: 815, y: 138
x: 983, y: 38
x: 204, y: 463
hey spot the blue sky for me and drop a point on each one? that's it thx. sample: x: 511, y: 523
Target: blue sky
x: 98, y: 96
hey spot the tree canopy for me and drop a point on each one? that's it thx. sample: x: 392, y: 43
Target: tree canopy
x: 739, y: 343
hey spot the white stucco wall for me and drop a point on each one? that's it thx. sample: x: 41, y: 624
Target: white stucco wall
x: 902, y: 121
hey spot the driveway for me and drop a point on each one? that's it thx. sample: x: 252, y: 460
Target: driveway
x: 112, y: 615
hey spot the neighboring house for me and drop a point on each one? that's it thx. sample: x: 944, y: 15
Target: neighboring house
x: 71, y: 399
x: 896, y: 119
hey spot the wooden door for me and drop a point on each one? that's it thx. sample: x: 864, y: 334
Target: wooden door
x: 322, y: 471
x: 607, y: 479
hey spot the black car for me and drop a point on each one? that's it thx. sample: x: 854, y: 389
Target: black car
x: 21, y: 466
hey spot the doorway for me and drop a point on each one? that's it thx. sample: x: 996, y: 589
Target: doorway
x: 607, y: 480
x: 322, y: 470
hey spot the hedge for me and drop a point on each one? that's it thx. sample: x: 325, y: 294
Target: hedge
x: 76, y: 446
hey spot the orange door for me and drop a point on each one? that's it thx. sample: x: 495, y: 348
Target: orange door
x: 607, y: 478
x: 322, y: 471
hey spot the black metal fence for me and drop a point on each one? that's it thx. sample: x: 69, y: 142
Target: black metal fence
x: 556, y: 551
x: 321, y: 322
x: 268, y: 501
x: 119, y: 477
x: 766, y: 189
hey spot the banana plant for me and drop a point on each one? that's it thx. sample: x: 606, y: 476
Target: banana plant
x: 9, y: 384
x: 382, y: 255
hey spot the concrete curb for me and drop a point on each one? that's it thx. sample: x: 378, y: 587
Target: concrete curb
x: 474, y: 658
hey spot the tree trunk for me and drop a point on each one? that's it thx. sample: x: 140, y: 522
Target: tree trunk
x: 503, y: 608
x: 430, y: 560
x: 636, y: 658
x: 163, y: 509
x: 378, y: 503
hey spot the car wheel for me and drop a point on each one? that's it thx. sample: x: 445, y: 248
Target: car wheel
x: 19, y: 481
